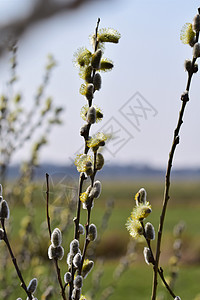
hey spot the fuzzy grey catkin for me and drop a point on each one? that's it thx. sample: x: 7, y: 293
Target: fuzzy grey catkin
x: 78, y: 282
x: 81, y: 229
x: 91, y: 115
x: 149, y: 231
x: 76, y: 294
x: 96, y: 190
x: 32, y: 286
x: 67, y: 277
x: 92, y: 232
x: 177, y: 298
x: 141, y: 197
x: 97, y: 81
x: 89, y: 91
x: 187, y: 65
x: 56, y: 237
x: 99, y: 161
x: 196, y: 50
x: 196, y: 23
x: 96, y: 59
x: 77, y: 260
x: 147, y: 255
x: 74, y: 247
x: 4, y: 210
x: 55, y: 252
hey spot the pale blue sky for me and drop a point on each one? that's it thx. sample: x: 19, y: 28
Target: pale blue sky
x: 149, y: 60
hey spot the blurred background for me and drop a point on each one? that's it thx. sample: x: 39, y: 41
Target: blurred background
x: 140, y: 99
x: 149, y: 60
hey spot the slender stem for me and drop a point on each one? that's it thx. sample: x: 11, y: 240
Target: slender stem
x: 175, y: 142
x: 23, y: 284
x: 77, y: 219
x: 47, y: 205
x: 49, y: 228
x: 160, y: 270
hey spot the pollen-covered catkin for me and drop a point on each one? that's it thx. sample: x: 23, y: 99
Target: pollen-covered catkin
x: 87, y: 267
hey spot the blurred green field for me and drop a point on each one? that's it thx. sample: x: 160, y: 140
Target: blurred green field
x: 135, y: 283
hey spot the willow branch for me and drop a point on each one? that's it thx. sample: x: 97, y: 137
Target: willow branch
x: 49, y: 228
x: 175, y: 142
x: 14, y: 260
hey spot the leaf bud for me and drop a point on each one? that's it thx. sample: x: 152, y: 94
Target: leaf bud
x: 184, y: 96
x: 196, y: 23
x: 147, y: 255
x: 77, y: 260
x: 92, y: 232
x: 96, y: 59
x: 99, y: 161
x: 91, y: 115
x: 149, y: 231
x: 67, y: 277
x: 89, y: 91
x: 97, y: 82
x: 196, y: 50
x: 56, y: 237
x: 4, y: 210
x: 78, y: 282
x: 32, y: 286
x: 187, y: 65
